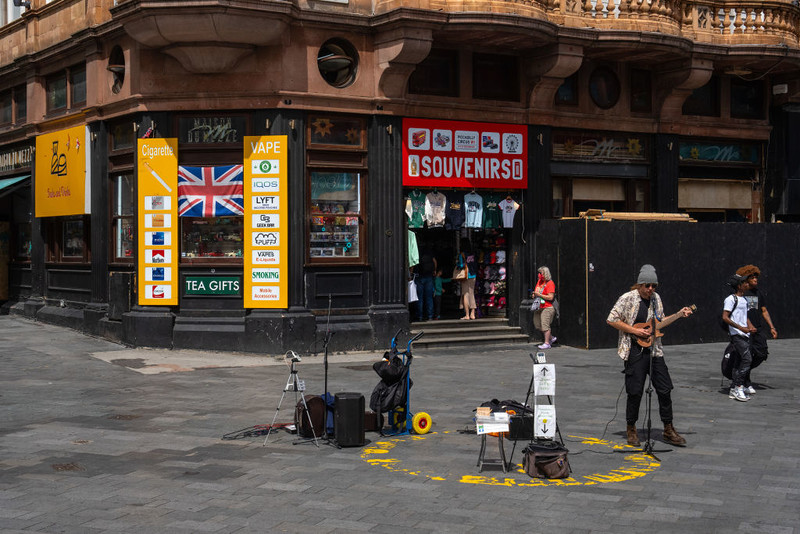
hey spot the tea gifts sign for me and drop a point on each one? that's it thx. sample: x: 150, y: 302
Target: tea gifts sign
x: 266, y: 222
x: 157, y: 164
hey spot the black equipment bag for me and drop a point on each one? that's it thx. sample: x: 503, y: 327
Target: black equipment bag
x: 546, y: 459
x: 730, y: 360
x: 731, y: 357
x: 316, y: 406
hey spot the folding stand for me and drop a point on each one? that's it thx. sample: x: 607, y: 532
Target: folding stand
x: 293, y: 383
x: 527, y: 397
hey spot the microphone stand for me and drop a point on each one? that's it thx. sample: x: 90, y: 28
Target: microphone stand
x: 647, y: 448
x: 328, y: 335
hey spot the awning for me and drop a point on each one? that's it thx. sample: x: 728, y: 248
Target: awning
x: 9, y: 185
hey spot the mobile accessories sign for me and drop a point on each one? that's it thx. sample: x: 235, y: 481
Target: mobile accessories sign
x: 62, y: 185
x: 440, y: 153
x: 157, y: 164
x: 266, y: 219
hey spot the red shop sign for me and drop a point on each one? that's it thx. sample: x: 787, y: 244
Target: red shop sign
x: 464, y: 154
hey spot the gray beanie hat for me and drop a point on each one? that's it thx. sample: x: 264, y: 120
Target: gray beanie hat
x: 647, y: 275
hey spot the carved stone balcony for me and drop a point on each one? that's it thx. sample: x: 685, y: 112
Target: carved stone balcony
x: 727, y: 22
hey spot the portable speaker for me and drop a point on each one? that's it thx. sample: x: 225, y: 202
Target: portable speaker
x: 348, y: 419
x: 521, y: 427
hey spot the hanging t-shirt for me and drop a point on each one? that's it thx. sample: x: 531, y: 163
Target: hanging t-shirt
x: 509, y: 208
x: 473, y: 205
x: 413, y: 249
x: 435, y: 204
x: 491, y: 211
x: 415, y: 209
x: 454, y: 212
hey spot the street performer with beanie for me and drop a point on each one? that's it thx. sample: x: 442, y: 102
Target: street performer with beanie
x: 634, y: 308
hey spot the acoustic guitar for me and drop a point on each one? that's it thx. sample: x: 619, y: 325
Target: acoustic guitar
x: 647, y: 341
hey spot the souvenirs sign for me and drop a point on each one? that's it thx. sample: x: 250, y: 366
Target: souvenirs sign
x: 266, y: 231
x: 157, y: 164
x: 62, y: 184
x: 464, y: 154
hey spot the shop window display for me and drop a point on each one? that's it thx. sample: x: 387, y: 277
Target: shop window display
x: 212, y: 237
x: 335, y: 215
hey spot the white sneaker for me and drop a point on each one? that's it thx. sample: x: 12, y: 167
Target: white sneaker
x: 739, y: 394
x: 750, y: 390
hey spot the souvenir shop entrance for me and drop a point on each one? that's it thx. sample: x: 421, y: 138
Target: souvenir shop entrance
x: 463, y: 184
x: 443, y: 224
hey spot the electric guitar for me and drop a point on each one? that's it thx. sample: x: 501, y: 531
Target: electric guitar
x: 647, y: 341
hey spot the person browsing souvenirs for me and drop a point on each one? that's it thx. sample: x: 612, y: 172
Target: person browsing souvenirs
x: 632, y: 309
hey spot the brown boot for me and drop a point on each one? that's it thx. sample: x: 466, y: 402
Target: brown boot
x: 633, y: 436
x: 672, y: 437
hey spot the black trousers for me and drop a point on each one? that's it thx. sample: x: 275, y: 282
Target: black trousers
x: 637, y: 367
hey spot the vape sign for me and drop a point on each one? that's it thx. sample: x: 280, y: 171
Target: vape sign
x: 464, y: 154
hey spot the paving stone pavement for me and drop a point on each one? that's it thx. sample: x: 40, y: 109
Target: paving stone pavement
x: 89, y: 443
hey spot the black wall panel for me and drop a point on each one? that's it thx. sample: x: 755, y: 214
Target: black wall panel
x: 692, y: 260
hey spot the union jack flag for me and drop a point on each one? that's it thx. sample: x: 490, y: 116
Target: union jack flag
x: 210, y: 191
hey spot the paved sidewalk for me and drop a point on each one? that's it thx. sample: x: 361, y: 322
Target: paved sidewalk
x: 95, y: 437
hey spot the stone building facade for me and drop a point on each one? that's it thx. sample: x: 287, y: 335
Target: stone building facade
x: 638, y: 105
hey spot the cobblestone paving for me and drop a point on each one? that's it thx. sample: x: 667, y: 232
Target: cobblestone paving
x: 89, y: 444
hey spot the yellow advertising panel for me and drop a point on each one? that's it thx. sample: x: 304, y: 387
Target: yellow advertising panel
x: 157, y: 164
x: 61, y: 182
x: 266, y: 225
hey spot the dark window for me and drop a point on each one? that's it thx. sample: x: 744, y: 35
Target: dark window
x: 704, y: 100
x: 21, y: 224
x: 436, y: 75
x: 568, y: 91
x: 57, y: 92
x: 68, y: 239
x: 747, y: 99
x: 77, y: 82
x: 495, y: 77
x: 66, y: 88
x: 122, y: 137
x: 21, y: 104
x: 212, y: 238
x: 641, y: 91
x: 122, y: 217
x: 604, y: 87
x: 6, y: 107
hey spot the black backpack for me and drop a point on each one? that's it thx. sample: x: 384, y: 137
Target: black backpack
x: 730, y: 360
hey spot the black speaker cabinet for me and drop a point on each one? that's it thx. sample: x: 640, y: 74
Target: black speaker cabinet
x: 348, y: 419
x: 521, y: 427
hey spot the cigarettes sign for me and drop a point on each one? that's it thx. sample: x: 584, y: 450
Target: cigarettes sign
x: 464, y: 154
x: 157, y: 164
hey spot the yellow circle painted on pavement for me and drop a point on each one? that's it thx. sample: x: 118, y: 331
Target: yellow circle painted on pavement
x: 383, y: 453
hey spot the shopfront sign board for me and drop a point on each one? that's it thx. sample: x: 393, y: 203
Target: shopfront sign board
x: 439, y: 153
x: 62, y: 185
x: 157, y: 178
x: 212, y: 286
x: 266, y: 208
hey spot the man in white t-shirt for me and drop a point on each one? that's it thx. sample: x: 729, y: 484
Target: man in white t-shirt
x: 734, y: 314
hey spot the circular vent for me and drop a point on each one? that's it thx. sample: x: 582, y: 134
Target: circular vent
x: 337, y: 62
x: 116, y: 66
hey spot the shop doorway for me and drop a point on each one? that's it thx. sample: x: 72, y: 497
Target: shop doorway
x: 488, y: 247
